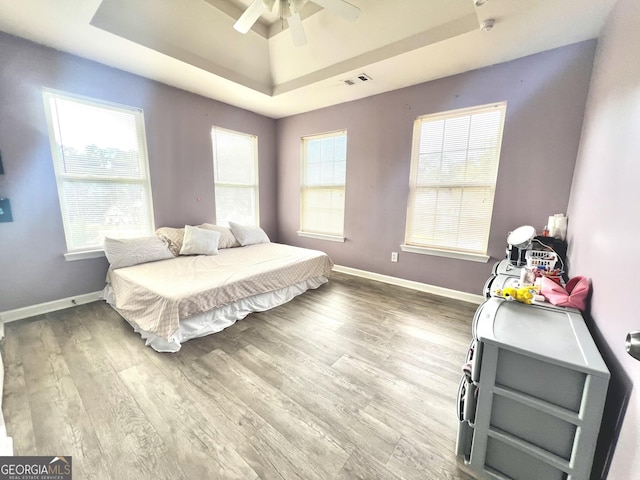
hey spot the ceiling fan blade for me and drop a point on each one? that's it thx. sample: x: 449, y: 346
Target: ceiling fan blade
x: 340, y: 7
x: 297, y: 30
x: 250, y: 16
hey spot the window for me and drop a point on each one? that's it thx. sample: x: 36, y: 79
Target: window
x: 235, y: 172
x: 454, y: 166
x: 102, y: 171
x: 322, y: 189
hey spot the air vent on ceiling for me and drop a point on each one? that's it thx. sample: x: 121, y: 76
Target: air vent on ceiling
x: 363, y: 77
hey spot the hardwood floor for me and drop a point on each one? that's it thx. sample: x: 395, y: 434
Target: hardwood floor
x: 354, y: 380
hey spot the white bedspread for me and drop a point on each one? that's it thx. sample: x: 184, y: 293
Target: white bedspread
x: 157, y: 295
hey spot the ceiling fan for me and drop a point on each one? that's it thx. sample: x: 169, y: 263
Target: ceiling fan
x: 290, y: 10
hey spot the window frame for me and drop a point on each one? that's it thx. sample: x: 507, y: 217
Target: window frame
x: 255, y: 174
x: 62, y: 178
x: 452, y: 251
x: 303, y: 170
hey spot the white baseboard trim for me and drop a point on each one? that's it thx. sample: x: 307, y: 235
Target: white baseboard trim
x: 422, y: 287
x: 6, y: 443
x: 48, y: 307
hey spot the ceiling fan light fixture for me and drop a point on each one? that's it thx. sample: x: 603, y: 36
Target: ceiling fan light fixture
x: 479, y: 3
x: 289, y: 10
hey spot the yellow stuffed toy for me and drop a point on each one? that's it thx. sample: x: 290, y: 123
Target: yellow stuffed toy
x: 522, y: 294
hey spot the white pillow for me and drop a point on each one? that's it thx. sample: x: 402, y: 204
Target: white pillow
x: 124, y: 252
x: 248, y: 235
x: 227, y: 240
x: 199, y: 241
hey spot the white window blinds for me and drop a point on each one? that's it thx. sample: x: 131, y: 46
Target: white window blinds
x: 235, y: 170
x: 322, y: 186
x: 454, y: 167
x: 100, y: 160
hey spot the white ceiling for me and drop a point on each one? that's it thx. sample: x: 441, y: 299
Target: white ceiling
x: 191, y: 44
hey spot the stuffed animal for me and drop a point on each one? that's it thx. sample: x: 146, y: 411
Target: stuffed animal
x: 522, y: 294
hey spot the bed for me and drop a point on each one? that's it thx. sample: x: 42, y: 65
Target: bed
x: 178, y: 298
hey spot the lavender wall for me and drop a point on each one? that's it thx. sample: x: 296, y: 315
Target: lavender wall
x: 604, y: 225
x: 178, y: 125
x: 546, y: 95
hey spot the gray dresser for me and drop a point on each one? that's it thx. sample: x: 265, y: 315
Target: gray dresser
x: 530, y: 404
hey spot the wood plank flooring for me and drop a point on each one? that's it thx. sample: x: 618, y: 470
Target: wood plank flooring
x: 354, y: 380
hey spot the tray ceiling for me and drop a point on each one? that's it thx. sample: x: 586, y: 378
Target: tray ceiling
x: 191, y: 44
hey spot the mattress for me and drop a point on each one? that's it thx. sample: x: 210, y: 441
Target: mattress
x: 157, y: 296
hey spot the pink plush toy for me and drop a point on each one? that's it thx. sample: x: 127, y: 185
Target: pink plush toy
x: 573, y: 295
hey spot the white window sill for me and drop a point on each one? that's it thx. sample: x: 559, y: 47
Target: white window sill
x: 472, y: 257
x: 83, y: 255
x: 322, y: 236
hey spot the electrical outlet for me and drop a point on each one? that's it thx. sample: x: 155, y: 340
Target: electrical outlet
x: 394, y: 256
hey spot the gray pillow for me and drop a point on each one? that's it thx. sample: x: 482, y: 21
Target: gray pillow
x: 125, y: 252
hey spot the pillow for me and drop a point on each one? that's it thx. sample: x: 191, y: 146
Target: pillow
x: 199, y: 241
x: 124, y: 252
x: 227, y: 240
x: 174, y: 236
x: 573, y: 295
x: 248, y: 235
